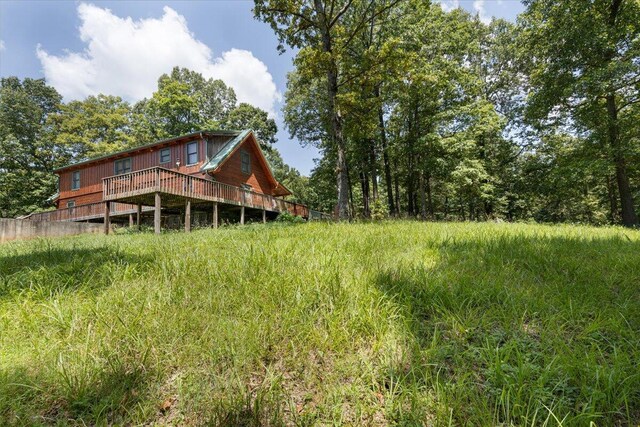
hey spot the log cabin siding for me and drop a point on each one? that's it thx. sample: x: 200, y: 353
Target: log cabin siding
x: 231, y: 171
x: 91, y: 174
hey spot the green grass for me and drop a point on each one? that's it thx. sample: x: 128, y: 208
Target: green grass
x: 398, y: 323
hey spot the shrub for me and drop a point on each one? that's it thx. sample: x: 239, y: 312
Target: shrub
x: 289, y: 218
x: 379, y: 210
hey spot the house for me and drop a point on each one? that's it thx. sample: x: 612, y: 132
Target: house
x: 212, y: 174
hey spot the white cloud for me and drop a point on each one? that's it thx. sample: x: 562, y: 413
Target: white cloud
x: 125, y: 57
x: 449, y: 5
x: 2, y: 47
x: 478, y: 6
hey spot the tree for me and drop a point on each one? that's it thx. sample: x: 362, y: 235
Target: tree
x: 173, y: 110
x: 585, y: 74
x: 323, y: 30
x: 96, y: 126
x: 246, y: 116
x: 28, y: 150
x: 214, y: 99
x: 184, y: 102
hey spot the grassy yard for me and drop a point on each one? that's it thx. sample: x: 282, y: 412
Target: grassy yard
x: 398, y: 323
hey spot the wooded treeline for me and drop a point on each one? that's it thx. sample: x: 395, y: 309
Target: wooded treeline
x: 39, y: 132
x: 417, y: 112
x: 436, y: 115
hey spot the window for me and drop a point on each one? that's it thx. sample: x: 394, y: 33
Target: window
x: 192, y: 153
x: 246, y: 162
x: 71, y: 203
x: 165, y: 155
x: 122, y: 166
x: 247, y: 187
x: 75, y: 180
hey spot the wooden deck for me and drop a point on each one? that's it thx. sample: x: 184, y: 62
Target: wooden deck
x: 174, y: 187
x: 124, y: 193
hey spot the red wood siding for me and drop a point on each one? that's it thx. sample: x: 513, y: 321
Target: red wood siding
x: 91, y: 175
x: 231, y: 170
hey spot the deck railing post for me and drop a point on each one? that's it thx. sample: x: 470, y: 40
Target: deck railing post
x: 242, y: 192
x: 187, y: 217
x: 107, y: 221
x: 156, y: 214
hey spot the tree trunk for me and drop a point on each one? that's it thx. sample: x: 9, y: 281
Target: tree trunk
x: 429, y: 197
x: 385, y: 155
x: 423, y: 199
x: 373, y: 169
x: 337, y: 137
x: 364, y: 182
x: 614, y: 214
x: 397, y: 188
x: 629, y: 217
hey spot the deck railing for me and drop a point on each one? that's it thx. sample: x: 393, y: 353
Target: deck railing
x: 160, y: 180
x: 83, y: 212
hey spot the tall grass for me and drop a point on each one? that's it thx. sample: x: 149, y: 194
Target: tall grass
x: 396, y: 323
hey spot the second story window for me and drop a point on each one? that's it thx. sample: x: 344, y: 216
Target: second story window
x: 245, y: 162
x: 192, y: 153
x: 165, y: 155
x: 122, y: 166
x: 75, y: 180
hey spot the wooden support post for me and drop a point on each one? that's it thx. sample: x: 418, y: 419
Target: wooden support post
x: 130, y: 220
x: 107, y: 219
x: 242, y: 192
x: 156, y: 214
x: 215, y: 214
x: 264, y: 216
x: 187, y: 217
x: 138, y: 215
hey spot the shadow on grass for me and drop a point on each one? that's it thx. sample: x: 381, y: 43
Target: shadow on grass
x: 50, y: 269
x: 108, y: 397
x: 522, y: 329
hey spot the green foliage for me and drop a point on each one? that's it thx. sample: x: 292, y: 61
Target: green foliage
x: 379, y: 210
x: 93, y: 127
x: 582, y: 60
x: 289, y: 218
x: 246, y: 116
x: 445, y: 117
x: 396, y: 323
x: 39, y: 133
x: 28, y: 149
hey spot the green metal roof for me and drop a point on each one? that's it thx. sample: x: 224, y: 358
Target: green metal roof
x: 229, y: 147
x: 142, y: 147
x: 225, y: 151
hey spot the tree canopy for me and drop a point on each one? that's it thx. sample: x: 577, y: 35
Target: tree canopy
x: 438, y: 115
x: 417, y: 113
x: 39, y: 132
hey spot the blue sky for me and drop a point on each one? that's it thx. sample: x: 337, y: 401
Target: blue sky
x: 121, y: 47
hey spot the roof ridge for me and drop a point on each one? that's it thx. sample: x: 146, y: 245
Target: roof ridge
x: 151, y: 144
